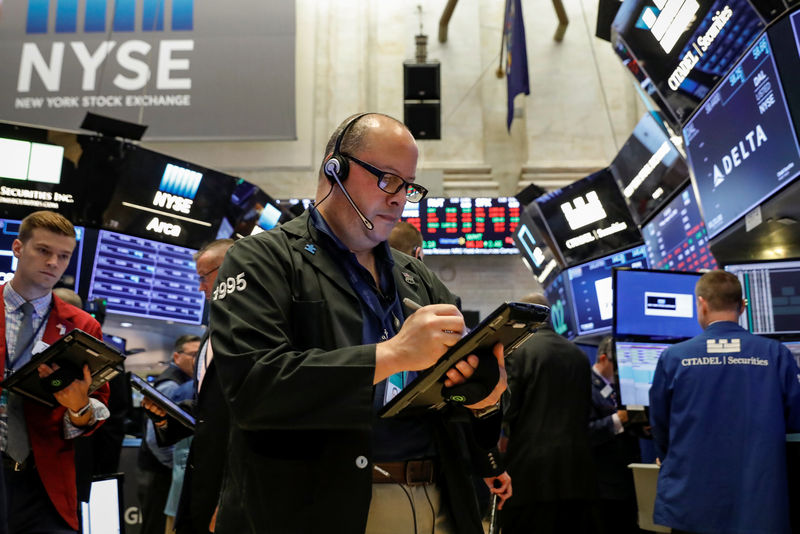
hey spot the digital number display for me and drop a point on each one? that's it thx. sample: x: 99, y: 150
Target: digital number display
x: 465, y: 225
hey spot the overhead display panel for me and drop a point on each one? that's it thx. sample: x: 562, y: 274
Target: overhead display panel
x: 466, y: 226
x: 145, y: 278
x: 529, y: 237
x: 772, y: 291
x: 648, y: 168
x: 741, y: 143
x: 589, y: 218
x: 163, y: 198
x: 676, y: 238
x: 686, y: 46
x: 561, y: 310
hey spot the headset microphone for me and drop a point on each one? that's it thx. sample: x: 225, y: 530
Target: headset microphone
x: 332, y: 170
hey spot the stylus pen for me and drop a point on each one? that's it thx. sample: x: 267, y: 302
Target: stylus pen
x: 413, y: 306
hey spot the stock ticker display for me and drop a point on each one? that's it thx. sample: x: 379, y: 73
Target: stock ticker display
x: 465, y: 225
x: 741, y: 143
x: 145, y: 278
x: 676, y: 238
x: 772, y: 291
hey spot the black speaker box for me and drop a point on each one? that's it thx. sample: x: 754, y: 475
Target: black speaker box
x: 606, y: 11
x: 423, y: 119
x: 421, y: 81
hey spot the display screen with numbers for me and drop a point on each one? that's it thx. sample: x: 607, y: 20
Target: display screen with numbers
x: 741, y: 144
x: 465, y: 225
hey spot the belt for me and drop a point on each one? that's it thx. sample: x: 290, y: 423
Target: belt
x: 13, y: 465
x: 410, y: 473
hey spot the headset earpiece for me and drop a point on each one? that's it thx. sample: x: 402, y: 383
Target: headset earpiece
x: 336, y: 168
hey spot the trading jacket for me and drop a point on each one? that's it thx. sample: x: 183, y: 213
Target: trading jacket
x: 287, y: 333
x: 53, y: 455
x: 720, y: 407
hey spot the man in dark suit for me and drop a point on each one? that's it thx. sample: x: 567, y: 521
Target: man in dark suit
x: 548, y: 454
x: 206, y: 462
x: 614, y: 447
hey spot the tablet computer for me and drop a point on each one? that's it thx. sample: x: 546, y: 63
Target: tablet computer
x: 73, y: 350
x: 164, y: 402
x: 511, y: 324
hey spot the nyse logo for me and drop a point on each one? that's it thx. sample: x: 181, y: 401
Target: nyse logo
x: 131, y: 55
x: 580, y: 212
x: 668, y: 20
x: 177, y: 189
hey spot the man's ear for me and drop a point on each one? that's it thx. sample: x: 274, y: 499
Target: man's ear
x: 417, y: 252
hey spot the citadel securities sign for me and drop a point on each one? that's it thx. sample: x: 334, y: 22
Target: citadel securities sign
x: 188, y: 71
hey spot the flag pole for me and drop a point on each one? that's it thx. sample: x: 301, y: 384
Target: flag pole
x: 500, y: 70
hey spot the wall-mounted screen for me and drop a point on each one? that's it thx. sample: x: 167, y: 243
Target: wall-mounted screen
x: 166, y: 199
x: 648, y: 168
x: 685, y: 47
x: 592, y: 292
x: 537, y: 255
x: 741, y: 144
x: 772, y: 291
x: 656, y: 304
x: 676, y: 238
x: 589, y: 218
x: 9, y: 230
x: 146, y: 278
x: 636, y: 365
x: 465, y: 225
x: 561, y: 310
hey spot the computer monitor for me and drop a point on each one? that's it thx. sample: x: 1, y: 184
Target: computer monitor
x: 591, y: 288
x: 145, y: 278
x: 529, y: 236
x: 676, y: 237
x: 589, y: 218
x: 103, y: 513
x: 655, y: 304
x: 636, y: 365
x: 772, y: 290
x: 741, y: 142
x: 561, y: 309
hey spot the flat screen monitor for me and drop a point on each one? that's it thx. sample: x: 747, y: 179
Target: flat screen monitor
x: 103, y: 513
x: 648, y: 168
x: 685, y: 47
x: 655, y: 304
x: 162, y: 198
x: 589, y: 218
x: 145, y: 278
x: 591, y: 287
x: 794, y: 347
x: 636, y: 365
x: 465, y: 225
x: 9, y: 230
x: 772, y: 290
x: 741, y: 143
x: 249, y: 212
x: 561, y: 309
x: 676, y: 237
x: 537, y: 255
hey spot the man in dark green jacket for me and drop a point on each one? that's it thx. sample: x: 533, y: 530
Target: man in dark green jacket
x: 310, y: 340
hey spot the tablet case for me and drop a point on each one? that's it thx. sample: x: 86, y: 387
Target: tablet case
x: 512, y: 323
x: 164, y: 402
x: 76, y: 348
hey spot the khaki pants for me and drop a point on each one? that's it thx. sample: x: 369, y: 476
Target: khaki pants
x: 391, y: 513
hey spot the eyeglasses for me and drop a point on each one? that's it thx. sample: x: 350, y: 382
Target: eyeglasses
x: 204, y: 277
x: 191, y: 354
x: 391, y: 183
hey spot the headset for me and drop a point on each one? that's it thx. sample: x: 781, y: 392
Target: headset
x: 336, y: 168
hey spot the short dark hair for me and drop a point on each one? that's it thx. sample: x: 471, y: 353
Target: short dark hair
x: 606, y: 347
x: 46, y: 220
x: 405, y: 237
x: 183, y: 340
x: 721, y: 290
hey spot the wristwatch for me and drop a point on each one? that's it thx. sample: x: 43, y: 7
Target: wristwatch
x: 82, y: 411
